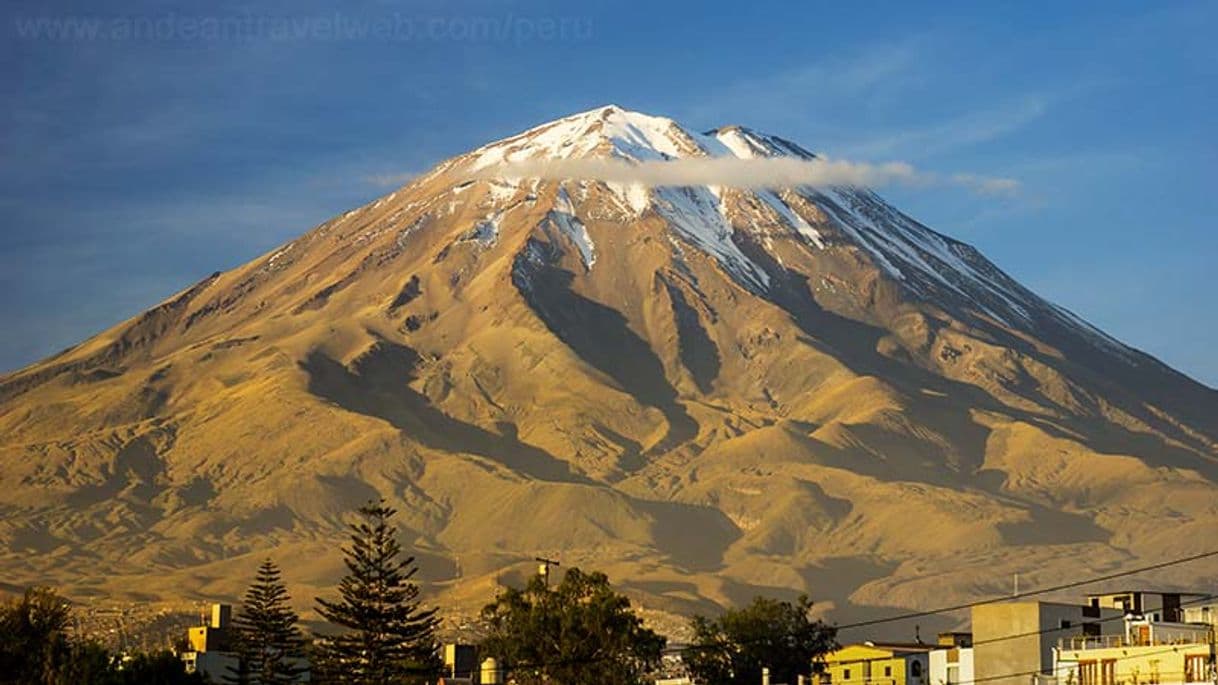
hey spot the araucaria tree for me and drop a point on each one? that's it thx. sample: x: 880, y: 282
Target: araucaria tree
x: 33, y: 636
x: 386, y: 635
x: 580, y: 632
x: 268, y: 638
x: 768, y: 633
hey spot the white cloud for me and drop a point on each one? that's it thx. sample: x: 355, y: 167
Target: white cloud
x: 743, y: 173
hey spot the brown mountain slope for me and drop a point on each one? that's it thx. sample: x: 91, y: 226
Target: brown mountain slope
x: 709, y: 393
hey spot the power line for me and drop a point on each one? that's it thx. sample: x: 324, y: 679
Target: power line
x: 1168, y: 650
x: 1173, y: 649
x: 931, y: 612
x: 1030, y: 593
x: 1198, y: 600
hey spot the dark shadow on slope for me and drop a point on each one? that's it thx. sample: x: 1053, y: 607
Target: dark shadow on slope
x: 695, y: 537
x: 1128, y: 383
x: 1050, y: 527
x: 134, y: 474
x: 698, y: 352
x: 378, y: 386
x: 631, y: 457
x: 601, y: 336
x: 855, y: 344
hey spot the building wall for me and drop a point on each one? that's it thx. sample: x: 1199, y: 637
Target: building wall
x: 1003, y: 660
x: 1202, y: 613
x: 1148, y: 632
x: 214, y: 666
x: 865, y: 665
x: 950, y: 666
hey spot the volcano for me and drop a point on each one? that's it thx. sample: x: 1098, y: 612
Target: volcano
x: 707, y: 392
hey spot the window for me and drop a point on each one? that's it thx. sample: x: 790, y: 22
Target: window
x: 915, y: 669
x: 1063, y: 624
x: 888, y: 671
x: 1088, y: 673
x: 845, y: 674
x: 1195, y: 667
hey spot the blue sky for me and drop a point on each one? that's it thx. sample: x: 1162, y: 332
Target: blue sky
x: 141, y: 159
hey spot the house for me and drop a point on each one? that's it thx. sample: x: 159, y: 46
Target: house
x: 1167, y: 607
x: 1116, y: 660
x: 877, y: 663
x: 1158, y: 644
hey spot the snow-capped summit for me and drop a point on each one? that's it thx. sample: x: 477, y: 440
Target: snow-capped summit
x: 919, y: 260
x: 604, y: 131
x: 619, y: 133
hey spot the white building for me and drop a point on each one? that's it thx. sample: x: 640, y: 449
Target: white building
x: 951, y: 661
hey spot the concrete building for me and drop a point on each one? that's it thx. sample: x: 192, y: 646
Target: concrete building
x: 1014, y: 640
x: 213, y: 666
x: 211, y: 648
x: 210, y: 645
x: 461, y: 662
x: 215, y: 633
x: 878, y: 663
x: 1201, y: 612
x: 951, y: 661
x: 1166, y: 607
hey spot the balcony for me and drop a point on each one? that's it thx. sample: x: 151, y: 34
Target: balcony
x: 1085, y: 642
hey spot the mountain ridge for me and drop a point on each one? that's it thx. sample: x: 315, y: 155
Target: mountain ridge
x: 710, y: 392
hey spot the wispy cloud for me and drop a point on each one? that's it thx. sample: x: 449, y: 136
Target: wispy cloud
x: 970, y: 128
x: 391, y: 180
x: 789, y: 95
x: 744, y: 173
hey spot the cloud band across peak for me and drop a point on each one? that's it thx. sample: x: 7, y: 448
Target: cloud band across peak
x: 762, y: 172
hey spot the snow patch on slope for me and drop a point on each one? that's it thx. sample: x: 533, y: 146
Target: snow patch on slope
x: 697, y: 215
x: 564, y: 219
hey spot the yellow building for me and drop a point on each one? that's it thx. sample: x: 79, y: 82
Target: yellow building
x: 1117, y: 661
x: 213, y: 636
x: 877, y: 663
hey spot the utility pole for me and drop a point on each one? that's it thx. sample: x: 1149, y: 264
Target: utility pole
x: 1213, y: 656
x: 543, y: 569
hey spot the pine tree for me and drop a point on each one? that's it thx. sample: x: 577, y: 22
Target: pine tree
x: 269, y: 641
x: 388, y: 637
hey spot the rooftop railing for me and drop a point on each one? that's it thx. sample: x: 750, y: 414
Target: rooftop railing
x: 1082, y: 642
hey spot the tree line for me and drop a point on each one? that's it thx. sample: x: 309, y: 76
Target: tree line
x: 579, y: 631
